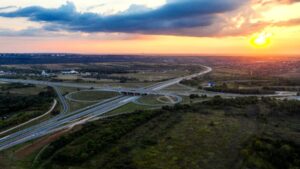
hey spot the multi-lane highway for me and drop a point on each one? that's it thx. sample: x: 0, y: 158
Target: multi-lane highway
x: 65, y: 121
x: 62, y: 122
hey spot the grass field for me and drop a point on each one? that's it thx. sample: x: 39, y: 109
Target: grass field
x: 67, y: 90
x: 78, y: 105
x: 128, y: 108
x: 93, y: 95
x: 23, y: 90
x: 154, y: 76
x: 150, y: 100
x: 84, y: 98
x: 177, y: 87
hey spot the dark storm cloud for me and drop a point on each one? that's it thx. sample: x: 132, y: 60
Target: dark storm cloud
x: 170, y: 18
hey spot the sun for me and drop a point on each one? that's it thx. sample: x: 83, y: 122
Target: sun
x: 261, y: 40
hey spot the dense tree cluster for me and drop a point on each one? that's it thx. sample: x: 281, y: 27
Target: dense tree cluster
x: 281, y: 88
x: 291, y: 107
x: 266, y: 153
x: 192, y: 82
x: 238, y: 91
x: 196, y: 96
x: 218, y: 101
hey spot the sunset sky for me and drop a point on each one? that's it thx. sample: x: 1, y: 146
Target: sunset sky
x: 213, y: 27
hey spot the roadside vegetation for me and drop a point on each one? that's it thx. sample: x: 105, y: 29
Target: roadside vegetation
x: 91, y: 96
x: 18, y: 108
x: 257, y: 133
x: 224, y: 89
x: 8, y: 87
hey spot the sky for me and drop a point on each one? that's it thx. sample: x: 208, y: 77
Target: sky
x: 193, y: 27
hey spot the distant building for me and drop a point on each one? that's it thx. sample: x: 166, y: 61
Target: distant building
x: 44, y: 73
x: 72, y: 72
x: 86, y: 74
x: 2, y: 73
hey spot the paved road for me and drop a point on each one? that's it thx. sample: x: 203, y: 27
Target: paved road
x: 63, y: 101
x: 61, y: 122
x: 153, y: 89
x: 32, y: 120
x: 65, y: 121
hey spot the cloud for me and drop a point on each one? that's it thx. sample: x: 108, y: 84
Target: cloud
x: 176, y: 17
x: 20, y: 33
x: 95, y: 6
x: 7, y: 7
x: 270, y: 2
x: 288, y: 1
x: 291, y: 22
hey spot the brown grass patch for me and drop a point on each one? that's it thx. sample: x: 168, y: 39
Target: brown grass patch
x: 38, y: 144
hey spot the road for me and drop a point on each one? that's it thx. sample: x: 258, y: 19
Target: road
x: 61, y: 122
x: 32, y: 120
x: 63, y: 101
x: 65, y: 121
x: 153, y: 89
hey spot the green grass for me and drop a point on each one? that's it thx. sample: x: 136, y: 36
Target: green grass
x: 18, y: 89
x: 67, y: 90
x: 195, y: 143
x: 151, y: 100
x: 176, y: 87
x: 153, y: 76
x: 79, y: 105
x: 128, y: 108
x: 28, y: 91
x: 93, y: 95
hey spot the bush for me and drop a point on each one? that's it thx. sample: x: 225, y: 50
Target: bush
x: 263, y: 153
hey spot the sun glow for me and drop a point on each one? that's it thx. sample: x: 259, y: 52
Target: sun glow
x: 261, y: 40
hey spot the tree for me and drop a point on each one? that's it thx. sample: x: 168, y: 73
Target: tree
x: 194, y: 96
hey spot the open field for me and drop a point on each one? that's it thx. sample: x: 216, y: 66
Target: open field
x: 129, y: 108
x: 78, y: 105
x: 25, y: 90
x: 153, y: 76
x: 91, y: 96
x: 83, y: 98
x: 150, y: 100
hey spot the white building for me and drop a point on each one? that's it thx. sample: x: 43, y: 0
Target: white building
x: 44, y: 73
x: 72, y: 72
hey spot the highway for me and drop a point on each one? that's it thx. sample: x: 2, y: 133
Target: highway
x: 153, y: 89
x: 60, y: 123
x: 63, y: 101
x: 65, y: 121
